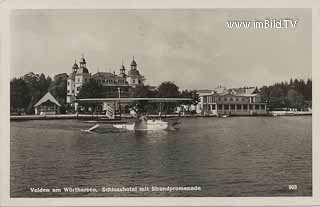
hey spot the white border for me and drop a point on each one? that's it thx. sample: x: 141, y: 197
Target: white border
x: 7, y: 6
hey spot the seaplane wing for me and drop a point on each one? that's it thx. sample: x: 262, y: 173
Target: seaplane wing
x: 91, y: 129
x: 128, y: 100
x: 141, y: 124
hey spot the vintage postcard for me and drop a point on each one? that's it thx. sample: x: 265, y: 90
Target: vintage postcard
x: 134, y: 105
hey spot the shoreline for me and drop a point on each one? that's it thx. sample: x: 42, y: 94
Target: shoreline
x: 103, y: 117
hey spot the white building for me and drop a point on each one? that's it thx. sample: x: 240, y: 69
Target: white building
x: 235, y: 101
x: 80, y: 75
x: 134, y: 77
x: 76, y: 79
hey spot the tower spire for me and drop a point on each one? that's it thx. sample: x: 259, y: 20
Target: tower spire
x: 133, y: 64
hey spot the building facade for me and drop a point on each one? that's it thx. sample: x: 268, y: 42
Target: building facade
x: 79, y: 76
x: 121, y: 82
x: 47, y: 105
x: 134, y: 77
x: 236, y: 101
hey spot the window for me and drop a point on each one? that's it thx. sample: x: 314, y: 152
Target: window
x: 220, y: 106
x: 231, y: 99
x: 226, y: 107
x: 68, y: 91
x: 257, y: 107
x: 213, y: 107
x: 68, y: 83
x: 238, y: 107
x: 237, y: 99
x: 232, y: 106
x: 250, y: 106
x: 219, y: 99
x: 245, y: 107
x: 225, y: 99
x: 72, y: 91
x: 133, y: 81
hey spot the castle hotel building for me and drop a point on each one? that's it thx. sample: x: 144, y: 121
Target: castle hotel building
x: 236, y: 101
x: 111, y: 81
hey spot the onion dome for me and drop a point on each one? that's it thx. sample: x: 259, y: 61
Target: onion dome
x: 75, y: 65
x: 82, y: 60
x: 82, y: 70
x: 133, y: 63
x: 133, y: 73
x: 85, y: 70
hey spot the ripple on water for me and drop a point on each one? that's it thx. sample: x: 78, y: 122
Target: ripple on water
x: 238, y: 156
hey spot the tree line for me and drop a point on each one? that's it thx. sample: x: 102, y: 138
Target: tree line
x: 94, y: 89
x: 293, y: 94
x: 26, y: 90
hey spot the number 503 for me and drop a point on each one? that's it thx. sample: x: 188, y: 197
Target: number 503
x: 293, y: 187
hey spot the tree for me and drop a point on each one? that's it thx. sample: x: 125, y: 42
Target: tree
x: 38, y: 86
x: 43, y: 84
x: 295, y: 99
x: 91, y: 89
x: 308, y: 90
x: 193, y: 94
x: 20, y: 96
x: 58, y: 88
x: 168, y: 90
x: 143, y: 91
x: 265, y: 94
x: 284, y: 94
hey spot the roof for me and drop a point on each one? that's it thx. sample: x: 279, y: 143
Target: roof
x: 133, y: 73
x: 98, y: 100
x: 75, y: 66
x: 103, y: 74
x: 72, y: 75
x: 222, y: 91
x: 82, y: 60
x: 204, y: 91
x: 82, y: 70
x: 133, y: 63
x: 45, y: 98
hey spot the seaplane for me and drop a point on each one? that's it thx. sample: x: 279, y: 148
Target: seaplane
x: 140, y: 122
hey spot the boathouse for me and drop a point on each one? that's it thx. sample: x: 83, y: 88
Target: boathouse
x: 47, y: 105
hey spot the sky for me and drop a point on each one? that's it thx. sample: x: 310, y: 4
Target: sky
x: 193, y: 48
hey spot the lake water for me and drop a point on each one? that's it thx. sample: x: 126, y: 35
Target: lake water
x: 236, y: 156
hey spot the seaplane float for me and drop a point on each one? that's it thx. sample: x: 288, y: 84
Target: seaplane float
x: 140, y: 123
